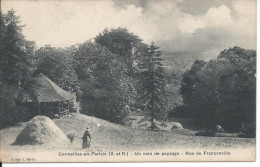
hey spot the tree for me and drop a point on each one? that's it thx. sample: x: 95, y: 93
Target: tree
x: 223, y: 90
x: 190, y: 77
x: 16, y: 67
x: 238, y: 87
x: 121, y: 43
x: 57, y: 64
x: 16, y: 51
x: 105, y: 86
x: 152, y: 86
x: 128, y: 48
x: 189, y: 80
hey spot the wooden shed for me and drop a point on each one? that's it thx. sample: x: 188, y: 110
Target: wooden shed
x: 49, y: 96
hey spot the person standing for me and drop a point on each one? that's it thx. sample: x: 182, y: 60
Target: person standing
x: 86, y: 139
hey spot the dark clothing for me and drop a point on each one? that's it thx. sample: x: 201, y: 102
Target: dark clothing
x: 86, y: 139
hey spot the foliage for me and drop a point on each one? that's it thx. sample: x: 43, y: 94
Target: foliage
x: 57, y: 64
x: 223, y: 90
x: 16, y: 52
x: 16, y: 67
x: 105, y: 87
x: 128, y: 48
x: 187, y: 86
x: 190, y: 77
x: 152, y: 86
x: 120, y: 42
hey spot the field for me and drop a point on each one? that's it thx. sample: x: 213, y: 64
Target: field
x: 107, y: 136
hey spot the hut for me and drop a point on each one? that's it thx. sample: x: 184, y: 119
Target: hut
x: 50, y: 98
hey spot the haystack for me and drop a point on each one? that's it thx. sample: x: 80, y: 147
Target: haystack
x: 40, y: 130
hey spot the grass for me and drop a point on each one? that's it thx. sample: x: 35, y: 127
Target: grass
x: 111, y: 136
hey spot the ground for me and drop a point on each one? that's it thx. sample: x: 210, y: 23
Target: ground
x: 107, y: 136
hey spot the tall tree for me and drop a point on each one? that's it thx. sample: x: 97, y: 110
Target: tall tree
x: 105, y: 87
x: 16, y: 66
x: 121, y: 43
x: 128, y: 49
x: 152, y: 86
x: 16, y: 51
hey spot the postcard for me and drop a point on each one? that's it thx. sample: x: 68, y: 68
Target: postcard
x: 128, y: 80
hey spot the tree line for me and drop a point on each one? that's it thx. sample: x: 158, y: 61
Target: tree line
x: 106, y: 75
x: 222, y: 91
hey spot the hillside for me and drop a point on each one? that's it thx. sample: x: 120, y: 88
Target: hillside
x: 111, y: 136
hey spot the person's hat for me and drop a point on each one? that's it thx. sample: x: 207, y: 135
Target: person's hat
x: 87, y: 127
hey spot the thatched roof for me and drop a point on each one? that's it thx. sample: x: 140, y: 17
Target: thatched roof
x: 42, y: 89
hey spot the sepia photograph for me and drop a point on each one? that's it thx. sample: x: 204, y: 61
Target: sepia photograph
x: 128, y: 80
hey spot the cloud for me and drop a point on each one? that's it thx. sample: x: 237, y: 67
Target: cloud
x: 176, y: 25
x: 215, y: 17
x: 207, y: 34
x: 63, y: 23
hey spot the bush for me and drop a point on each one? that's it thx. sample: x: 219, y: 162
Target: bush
x: 71, y: 137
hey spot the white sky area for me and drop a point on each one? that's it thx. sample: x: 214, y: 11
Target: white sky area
x: 65, y: 23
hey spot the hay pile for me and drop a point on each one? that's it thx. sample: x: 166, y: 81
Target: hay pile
x: 40, y: 130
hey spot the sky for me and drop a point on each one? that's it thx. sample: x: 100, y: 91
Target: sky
x: 202, y: 27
